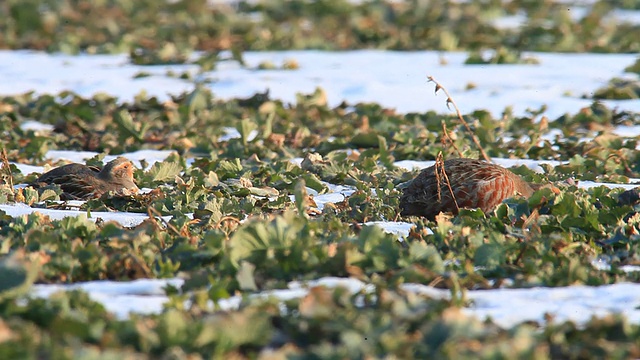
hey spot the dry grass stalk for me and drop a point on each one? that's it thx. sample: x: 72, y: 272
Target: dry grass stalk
x: 448, y: 139
x: 7, y: 167
x: 154, y: 215
x: 450, y: 101
x: 441, y: 175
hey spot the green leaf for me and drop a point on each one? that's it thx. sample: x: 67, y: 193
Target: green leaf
x: 208, y: 61
x: 198, y: 99
x: 385, y: 155
x: 172, y: 327
x: 426, y: 255
x: 245, y: 278
x: 314, y: 182
x: 218, y: 291
x: 259, y: 237
x: 49, y: 194
x: 489, y: 256
x: 211, y: 179
x: 366, y: 140
x: 128, y: 126
x: 16, y: 276
x: 472, y: 213
x: 229, y: 168
x: 540, y: 197
x: 301, y: 197
x: 265, y: 191
x: 245, y: 127
x: 164, y: 171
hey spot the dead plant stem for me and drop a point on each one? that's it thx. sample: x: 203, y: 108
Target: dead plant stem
x: 474, y: 138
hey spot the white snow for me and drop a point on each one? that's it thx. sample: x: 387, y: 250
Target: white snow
x: 124, y: 218
x: 627, y: 131
x: 143, y: 296
x: 394, y: 79
x: 233, y: 133
x: 507, y: 307
x: 36, y: 126
x: 399, y: 228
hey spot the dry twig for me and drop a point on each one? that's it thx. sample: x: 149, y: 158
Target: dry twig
x: 441, y: 174
x: 154, y: 215
x: 7, y: 167
x: 448, y: 138
x: 466, y: 125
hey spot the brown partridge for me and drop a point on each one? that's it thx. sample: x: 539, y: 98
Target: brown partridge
x: 81, y: 182
x: 475, y: 184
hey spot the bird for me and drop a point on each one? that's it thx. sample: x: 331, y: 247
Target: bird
x: 82, y: 182
x: 629, y: 197
x: 474, y: 184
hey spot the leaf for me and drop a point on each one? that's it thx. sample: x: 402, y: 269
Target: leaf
x: 237, y: 330
x: 244, y: 276
x: 218, y: 291
x: 245, y: 128
x: 128, y: 126
x: 259, y: 237
x: 49, y: 194
x: 312, y: 181
x: 472, y: 213
x: 366, y: 140
x: 265, y: 191
x: 164, y: 171
x: 385, y: 156
x: 489, y: 256
x: 16, y: 275
x: 211, y: 180
x: 214, y: 206
x: 198, y: 99
x: 237, y: 55
x: 427, y: 255
x: 541, y: 197
x: 172, y: 326
x: 229, y: 168
x: 208, y: 61
x: 301, y: 197
x: 381, y: 249
x: 318, y: 304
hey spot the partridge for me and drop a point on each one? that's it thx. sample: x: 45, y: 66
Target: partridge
x: 82, y: 182
x: 474, y: 184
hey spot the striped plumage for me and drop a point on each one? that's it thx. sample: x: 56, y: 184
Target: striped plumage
x: 475, y: 184
x: 81, y: 182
